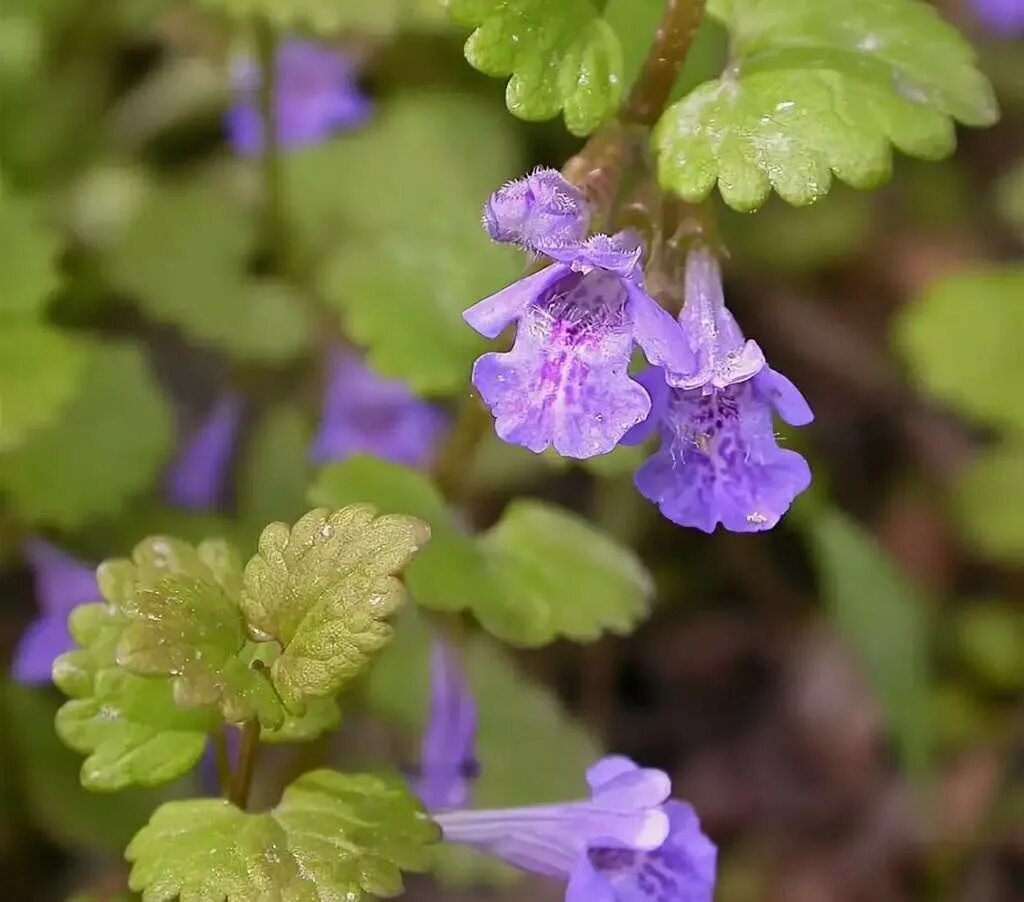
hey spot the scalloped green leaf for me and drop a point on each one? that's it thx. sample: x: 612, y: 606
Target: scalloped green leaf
x: 322, y: 715
x: 561, y: 56
x: 97, y: 629
x: 414, y: 256
x: 132, y: 732
x: 207, y: 850
x: 539, y: 574
x: 323, y: 589
x: 212, y: 299
x: 960, y: 339
x: 353, y: 834
x: 811, y: 94
x: 451, y: 573
x: 128, y: 726
x: 184, y: 623
x: 989, y: 502
x: 520, y: 722
x: 333, y: 836
x: 39, y: 374
x: 106, y: 447
x: 29, y: 272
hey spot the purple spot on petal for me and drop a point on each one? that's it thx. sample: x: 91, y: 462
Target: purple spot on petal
x: 719, y: 462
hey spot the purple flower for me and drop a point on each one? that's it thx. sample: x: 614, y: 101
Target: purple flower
x: 1005, y: 17
x: 448, y: 756
x: 539, y: 211
x: 721, y: 355
x: 719, y: 461
x: 363, y: 412
x: 565, y: 382
x: 197, y: 477
x: 62, y: 582
x: 316, y: 96
x: 624, y: 844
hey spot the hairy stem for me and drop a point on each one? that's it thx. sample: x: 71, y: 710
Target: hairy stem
x: 595, y: 168
x: 275, y: 235
x: 665, y: 58
x: 241, y: 779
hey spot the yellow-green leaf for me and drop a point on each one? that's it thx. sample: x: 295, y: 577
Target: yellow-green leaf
x: 323, y: 589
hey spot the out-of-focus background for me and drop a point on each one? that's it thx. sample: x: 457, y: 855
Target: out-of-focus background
x: 841, y: 698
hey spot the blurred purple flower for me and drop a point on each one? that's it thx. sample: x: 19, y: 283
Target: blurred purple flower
x: 448, y: 756
x: 364, y: 412
x: 209, y: 769
x: 719, y: 461
x: 565, y: 382
x: 1005, y: 17
x: 316, y: 96
x: 627, y: 843
x: 62, y: 582
x: 541, y: 210
x: 197, y: 476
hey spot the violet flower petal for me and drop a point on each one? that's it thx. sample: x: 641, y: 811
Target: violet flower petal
x: 564, y: 383
x: 608, y: 849
x: 587, y: 885
x: 719, y: 462
x: 316, y: 96
x: 682, y: 869
x: 43, y: 640
x: 197, y: 478
x: 721, y: 356
x: 1002, y: 17
x: 619, y: 254
x: 784, y: 396
x: 366, y: 413
x: 653, y: 381
x: 62, y: 582
x: 539, y: 211
x: 658, y: 334
x: 491, y: 316
x: 448, y: 756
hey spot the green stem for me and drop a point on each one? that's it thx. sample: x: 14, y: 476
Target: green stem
x: 653, y: 87
x: 454, y: 461
x: 275, y: 233
x: 241, y: 780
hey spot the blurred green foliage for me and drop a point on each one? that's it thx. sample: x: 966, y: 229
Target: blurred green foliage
x: 889, y: 626
x: 106, y: 448
x: 135, y: 280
